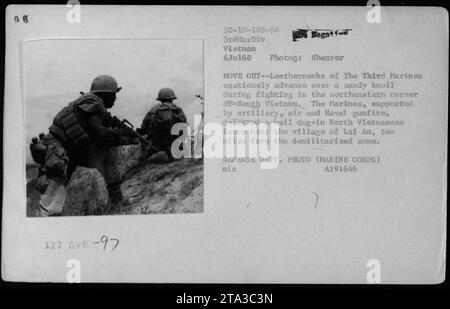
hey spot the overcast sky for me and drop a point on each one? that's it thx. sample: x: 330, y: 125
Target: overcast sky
x: 57, y: 70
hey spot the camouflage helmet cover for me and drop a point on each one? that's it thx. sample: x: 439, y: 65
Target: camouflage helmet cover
x: 104, y: 83
x: 166, y: 94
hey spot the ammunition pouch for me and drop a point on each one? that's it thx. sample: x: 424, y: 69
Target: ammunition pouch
x: 74, y: 131
x: 58, y: 133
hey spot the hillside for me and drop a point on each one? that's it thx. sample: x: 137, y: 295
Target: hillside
x: 152, y: 186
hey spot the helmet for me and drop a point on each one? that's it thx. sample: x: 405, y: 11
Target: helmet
x: 166, y: 94
x: 104, y: 83
x: 34, y: 140
x: 41, y: 136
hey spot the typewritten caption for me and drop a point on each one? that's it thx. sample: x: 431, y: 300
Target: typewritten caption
x: 316, y: 111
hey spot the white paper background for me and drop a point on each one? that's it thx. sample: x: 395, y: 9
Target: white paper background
x: 258, y: 225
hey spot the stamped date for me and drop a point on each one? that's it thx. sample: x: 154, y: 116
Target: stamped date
x: 251, y: 29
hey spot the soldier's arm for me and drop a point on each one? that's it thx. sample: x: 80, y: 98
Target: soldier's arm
x: 101, y: 132
x: 107, y: 120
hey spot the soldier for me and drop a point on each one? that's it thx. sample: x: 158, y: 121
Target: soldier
x: 81, y: 134
x: 158, y: 123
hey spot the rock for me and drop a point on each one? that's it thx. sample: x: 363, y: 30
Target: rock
x: 152, y: 186
x: 33, y: 196
x: 86, y: 193
x: 158, y: 157
x: 175, y: 187
x: 193, y: 202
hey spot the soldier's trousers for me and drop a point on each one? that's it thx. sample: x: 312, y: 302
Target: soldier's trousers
x: 96, y: 156
x: 92, y: 156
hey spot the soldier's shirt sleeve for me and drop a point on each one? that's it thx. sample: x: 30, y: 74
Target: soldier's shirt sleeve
x: 100, y: 132
x: 107, y: 119
x: 91, y: 105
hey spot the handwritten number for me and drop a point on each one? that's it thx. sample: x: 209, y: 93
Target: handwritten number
x: 117, y: 243
x: 104, y: 239
x: 24, y: 19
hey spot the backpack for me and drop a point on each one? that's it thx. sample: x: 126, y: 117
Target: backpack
x: 166, y: 115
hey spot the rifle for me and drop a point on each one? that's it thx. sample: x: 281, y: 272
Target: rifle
x: 128, y: 126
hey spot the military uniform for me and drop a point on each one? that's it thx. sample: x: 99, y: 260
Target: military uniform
x: 158, y: 122
x: 81, y: 134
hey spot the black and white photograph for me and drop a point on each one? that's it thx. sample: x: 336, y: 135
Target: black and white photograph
x: 99, y: 115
